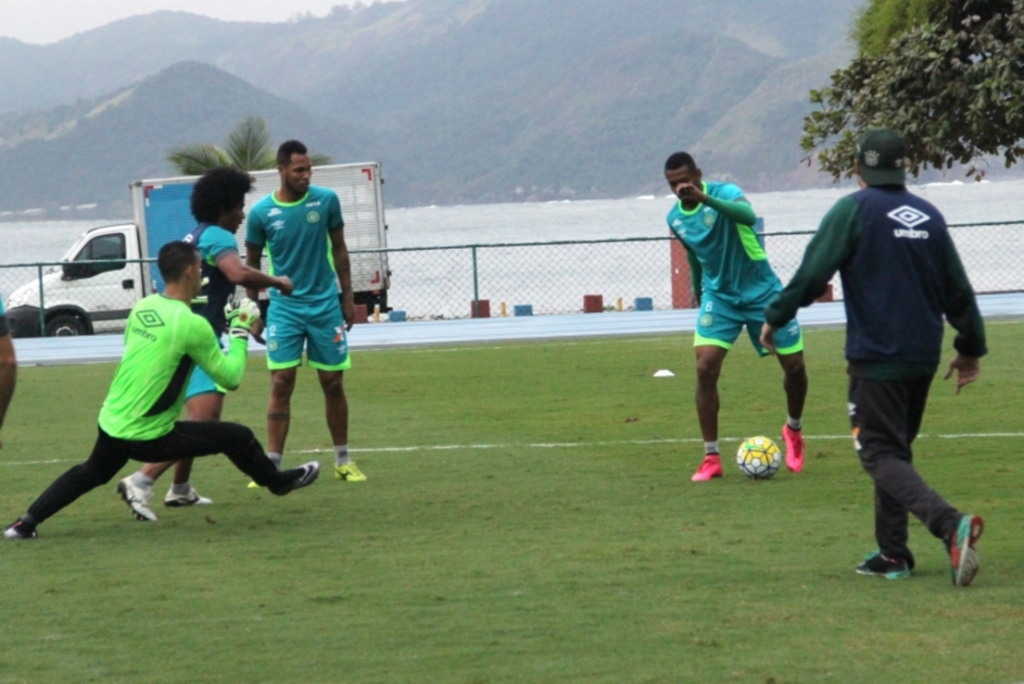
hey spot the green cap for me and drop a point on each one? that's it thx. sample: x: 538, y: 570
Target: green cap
x: 880, y: 155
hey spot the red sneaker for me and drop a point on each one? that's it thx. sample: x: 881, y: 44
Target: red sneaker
x: 711, y: 467
x: 794, y: 448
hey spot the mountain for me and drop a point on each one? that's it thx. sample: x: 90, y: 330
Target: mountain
x: 97, y: 148
x: 462, y: 100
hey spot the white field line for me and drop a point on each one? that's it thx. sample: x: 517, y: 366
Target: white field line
x: 564, y: 445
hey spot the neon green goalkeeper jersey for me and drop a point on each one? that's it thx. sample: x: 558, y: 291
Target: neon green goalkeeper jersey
x: 163, y: 342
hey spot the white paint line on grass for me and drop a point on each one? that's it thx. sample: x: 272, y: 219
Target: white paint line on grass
x: 564, y: 445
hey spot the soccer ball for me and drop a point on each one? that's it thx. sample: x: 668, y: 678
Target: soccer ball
x: 759, y: 458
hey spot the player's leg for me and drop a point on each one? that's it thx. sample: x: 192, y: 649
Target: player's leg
x: 960, y: 537
x: 789, y: 348
x: 718, y: 326
x: 286, y: 337
x: 200, y: 407
x: 881, y: 413
x: 203, y: 401
x: 279, y: 410
x: 193, y: 439
x: 108, y: 456
x: 327, y: 347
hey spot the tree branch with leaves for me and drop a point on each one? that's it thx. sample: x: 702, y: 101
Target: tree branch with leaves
x: 953, y: 87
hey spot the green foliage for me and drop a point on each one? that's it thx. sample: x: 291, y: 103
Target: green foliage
x: 954, y: 91
x: 882, y: 20
x: 248, y: 149
x: 528, y: 518
x: 194, y: 160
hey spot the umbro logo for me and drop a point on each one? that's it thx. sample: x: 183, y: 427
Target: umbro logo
x: 909, y: 216
x: 277, y: 225
x: 274, y: 212
x: 313, y: 204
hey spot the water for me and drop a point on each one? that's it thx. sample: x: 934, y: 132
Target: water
x: 553, y: 279
x: 28, y: 242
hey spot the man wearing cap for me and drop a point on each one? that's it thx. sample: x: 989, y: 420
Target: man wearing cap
x: 901, y: 273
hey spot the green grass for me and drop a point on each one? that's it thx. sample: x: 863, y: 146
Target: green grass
x: 556, y: 538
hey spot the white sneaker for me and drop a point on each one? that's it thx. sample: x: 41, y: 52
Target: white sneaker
x: 137, y: 499
x: 190, y: 499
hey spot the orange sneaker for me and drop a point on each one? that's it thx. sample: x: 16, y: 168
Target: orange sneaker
x: 794, y: 448
x: 711, y: 467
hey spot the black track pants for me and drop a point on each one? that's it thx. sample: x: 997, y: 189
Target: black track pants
x: 886, y: 416
x: 188, y: 439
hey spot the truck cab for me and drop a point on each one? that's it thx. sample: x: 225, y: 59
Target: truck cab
x: 93, y: 290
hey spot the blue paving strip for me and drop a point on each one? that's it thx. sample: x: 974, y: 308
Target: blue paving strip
x: 102, y: 348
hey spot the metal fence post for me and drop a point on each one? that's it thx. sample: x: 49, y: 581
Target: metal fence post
x: 42, y: 302
x: 476, y: 286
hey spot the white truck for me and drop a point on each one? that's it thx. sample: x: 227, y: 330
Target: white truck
x: 105, y: 271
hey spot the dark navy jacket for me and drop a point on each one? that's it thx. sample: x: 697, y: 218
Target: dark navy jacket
x: 900, y: 272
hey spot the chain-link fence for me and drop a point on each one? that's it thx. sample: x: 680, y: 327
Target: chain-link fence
x: 554, y: 277
x: 539, y: 278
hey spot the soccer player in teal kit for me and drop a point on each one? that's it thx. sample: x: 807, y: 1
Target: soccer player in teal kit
x: 301, y: 228
x: 734, y: 282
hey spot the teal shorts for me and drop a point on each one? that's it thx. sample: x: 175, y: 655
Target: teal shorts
x: 201, y: 383
x: 318, y: 327
x: 720, y: 323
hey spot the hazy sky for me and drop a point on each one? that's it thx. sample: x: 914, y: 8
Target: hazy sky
x: 47, y: 21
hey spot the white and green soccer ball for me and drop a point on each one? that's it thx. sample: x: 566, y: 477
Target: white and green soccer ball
x: 759, y: 458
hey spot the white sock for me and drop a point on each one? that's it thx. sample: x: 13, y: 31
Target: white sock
x: 794, y: 423
x: 341, y: 456
x: 277, y: 458
x: 140, y: 480
x: 181, y: 489
x: 711, y: 448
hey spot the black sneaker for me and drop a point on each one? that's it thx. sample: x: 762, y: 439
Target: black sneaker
x: 19, y: 529
x: 878, y: 564
x: 300, y: 477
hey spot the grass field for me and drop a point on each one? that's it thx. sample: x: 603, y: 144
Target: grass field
x: 528, y: 518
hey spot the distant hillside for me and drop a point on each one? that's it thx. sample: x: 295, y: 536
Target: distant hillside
x: 463, y: 100
x: 101, y: 146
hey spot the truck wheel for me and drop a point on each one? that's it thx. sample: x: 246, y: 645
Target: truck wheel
x: 65, y: 325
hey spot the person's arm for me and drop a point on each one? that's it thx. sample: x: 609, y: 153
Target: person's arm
x: 8, y: 374
x: 836, y: 239
x: 738, y: 211
x: 343, y: 267
x: 226, y: 369
x: 255, y: 241
x: 252, y: 279
x: 962, y: 307
x: 962, y: 312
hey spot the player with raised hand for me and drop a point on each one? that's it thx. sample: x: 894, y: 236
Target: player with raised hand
x: 217, y: 203
x: 164, y: 341
x: 301, y: 228
x: 733, y: 281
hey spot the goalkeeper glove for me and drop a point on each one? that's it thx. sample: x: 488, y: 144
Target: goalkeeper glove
x: 240, y: 315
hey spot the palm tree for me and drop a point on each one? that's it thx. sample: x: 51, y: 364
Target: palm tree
x: 248, y: 149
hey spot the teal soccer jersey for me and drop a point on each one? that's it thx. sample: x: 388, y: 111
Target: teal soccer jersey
x: 297, y: 239
x: 216, y: 243
x: 734, y: 265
